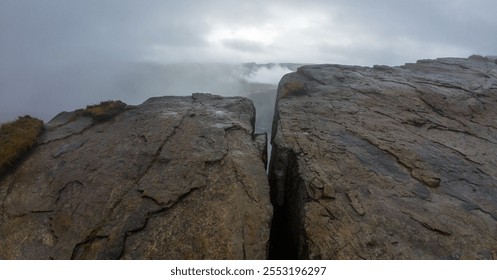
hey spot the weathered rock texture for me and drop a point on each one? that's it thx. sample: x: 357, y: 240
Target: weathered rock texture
x: 173, y: 178
x: 387, y: 163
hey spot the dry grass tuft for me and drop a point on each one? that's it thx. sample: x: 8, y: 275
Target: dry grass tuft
x: 105, y: 110
x: 16, y: 139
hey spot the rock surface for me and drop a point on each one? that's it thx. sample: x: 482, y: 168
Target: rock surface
x: 173, y: 178
x: 386, y: 162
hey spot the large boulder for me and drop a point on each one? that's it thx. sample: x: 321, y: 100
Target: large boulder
x: 386, y: 162
x: 173, y: 178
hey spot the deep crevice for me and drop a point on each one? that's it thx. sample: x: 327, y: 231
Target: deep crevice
x: 280, y: 241
x: 288, y: 198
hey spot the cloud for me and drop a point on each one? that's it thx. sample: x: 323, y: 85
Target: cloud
x: 60, y: 53
x: 268, y: 74
x: 243, y: 45
x: 284, y: 30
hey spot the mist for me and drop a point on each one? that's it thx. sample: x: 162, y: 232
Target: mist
x: 74, y: 86
x: 61, y: 55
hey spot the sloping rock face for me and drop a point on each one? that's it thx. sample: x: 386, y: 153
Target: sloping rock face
x: 173, y: 178
x: 386, y: 163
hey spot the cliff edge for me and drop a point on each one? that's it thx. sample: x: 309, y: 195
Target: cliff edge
x: 173, y: 178
x: 386, y: 162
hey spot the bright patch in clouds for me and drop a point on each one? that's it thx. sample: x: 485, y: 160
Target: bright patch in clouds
x: 286, y: 31
x: 268, y: 75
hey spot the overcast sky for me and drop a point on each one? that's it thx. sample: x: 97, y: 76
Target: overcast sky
x: 40, y: 40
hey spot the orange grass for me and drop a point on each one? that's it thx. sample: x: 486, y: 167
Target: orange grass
x: 16, y: 139
x: 105, y: 110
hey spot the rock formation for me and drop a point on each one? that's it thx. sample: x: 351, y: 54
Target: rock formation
x: 173, y: 178
x: 366, y: 163
x: 386, y: 162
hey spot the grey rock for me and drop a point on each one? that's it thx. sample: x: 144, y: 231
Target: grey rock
x: 386, y: 162
x: 173, y: 178
x: 63, y: 126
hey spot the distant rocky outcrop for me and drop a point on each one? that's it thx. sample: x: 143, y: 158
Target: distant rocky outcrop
x: 386, y: 162
x: 173, y: 178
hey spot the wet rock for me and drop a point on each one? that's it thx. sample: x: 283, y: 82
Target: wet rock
x: 173, y: 178
x: 386, y: 162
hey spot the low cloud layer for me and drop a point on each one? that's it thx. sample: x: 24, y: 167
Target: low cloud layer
x: 264, y: 31
x: 58, y: 54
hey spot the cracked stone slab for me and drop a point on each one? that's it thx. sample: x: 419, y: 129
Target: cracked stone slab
x: 172, y: 178
x: 387, y: 162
